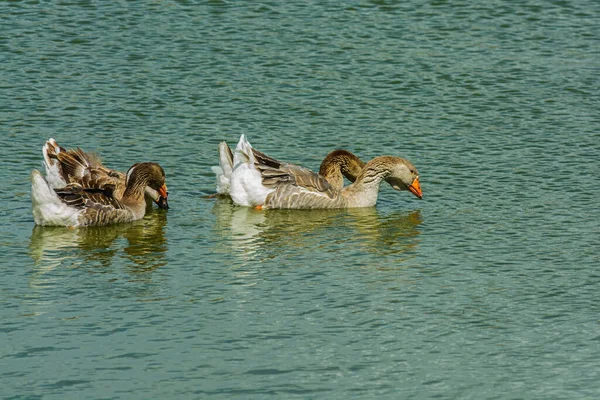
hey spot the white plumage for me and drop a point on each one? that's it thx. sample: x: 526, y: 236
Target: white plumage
x: 246, y: 186
x: 53, y: 174
x: 224, y: 169
x: 47, y: 207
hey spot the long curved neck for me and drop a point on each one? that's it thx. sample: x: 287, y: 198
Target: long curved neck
x: 136, y: 186
x: 365, y: 190
x: 340, y: 162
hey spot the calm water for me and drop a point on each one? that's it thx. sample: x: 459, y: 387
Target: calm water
x: 486, y: 289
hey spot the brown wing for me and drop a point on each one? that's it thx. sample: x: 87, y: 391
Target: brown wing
x: 87, y: 171
x: 72, y: 164
x: 295, y: 186
x: 294, y: 175
x: 79, y: 197
x: 100, y: 207
x: 104, y: 179
x: 263, y: 159
x: 276, y: 173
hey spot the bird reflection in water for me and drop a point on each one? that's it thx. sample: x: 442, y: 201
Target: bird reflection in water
x: 141, y: 242
x: 270, y: 232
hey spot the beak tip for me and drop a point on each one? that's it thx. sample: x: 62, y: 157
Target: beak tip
x: 415, y: 188
x: 163, y: 203
x: 162, y: 199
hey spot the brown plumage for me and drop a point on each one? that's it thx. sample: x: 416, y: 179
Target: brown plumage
x: 334, y: 167
x: 79, y: 191
x: 85, y: 169
x: 398, y: 172
x: 339, y: 164
x: 259, y: 180
x: 75, y: 205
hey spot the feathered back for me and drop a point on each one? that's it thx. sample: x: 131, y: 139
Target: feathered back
x: 65, y: 167
x: 275, y: 174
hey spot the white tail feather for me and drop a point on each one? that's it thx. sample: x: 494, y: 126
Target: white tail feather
x: 224, y: 170
x: 246, y: 186
x: 243, y: 152
x: 52, y: 167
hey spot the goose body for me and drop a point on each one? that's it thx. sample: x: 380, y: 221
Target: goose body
x: 334, y: 167
x: 79, y: 191
x: 267, y: 183
x: 64, y: 167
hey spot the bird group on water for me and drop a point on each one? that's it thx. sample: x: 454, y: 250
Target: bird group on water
x: 78, y: 190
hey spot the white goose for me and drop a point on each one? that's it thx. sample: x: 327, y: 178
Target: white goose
x: 267, y: 183
x: 334, y: 167
x: 82, y: 197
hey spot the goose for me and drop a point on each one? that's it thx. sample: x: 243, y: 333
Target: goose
x: 79, y: 191
x: 74, y: 166
x: 335, y: 166
x: 75, y: 205
x: 266, y: 183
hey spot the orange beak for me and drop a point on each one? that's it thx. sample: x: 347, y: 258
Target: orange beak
x: 415, y: 188
x: 162, y: 200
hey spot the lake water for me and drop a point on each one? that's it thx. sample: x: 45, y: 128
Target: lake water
x: 488, y: 288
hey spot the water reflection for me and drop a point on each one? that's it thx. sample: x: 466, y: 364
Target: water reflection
x: 249, y: 231
x: 142, y: 242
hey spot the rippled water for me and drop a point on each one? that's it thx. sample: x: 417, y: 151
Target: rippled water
x: 486, y: 289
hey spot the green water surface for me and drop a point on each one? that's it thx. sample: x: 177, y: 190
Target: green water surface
x: 488, y: 288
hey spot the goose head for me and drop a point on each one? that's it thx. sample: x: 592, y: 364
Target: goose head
x: 404, y: 176
x: 155, y: 179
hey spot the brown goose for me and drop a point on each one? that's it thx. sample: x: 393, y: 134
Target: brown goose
x: 80, y: 191
x: 74, y: 166
x: 267, y: 183
x: 75, y: 205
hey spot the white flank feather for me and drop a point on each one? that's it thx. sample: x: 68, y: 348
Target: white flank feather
x: 46, y: 205
x: 246, y: 188
x: 53, y: 173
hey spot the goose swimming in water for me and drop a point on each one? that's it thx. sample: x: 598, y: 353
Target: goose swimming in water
x: 64, y: 167
x: 266, y: 183
x: 79, y: 191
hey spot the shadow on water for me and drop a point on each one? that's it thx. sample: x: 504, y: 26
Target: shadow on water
x: 247, y: 231
x: 142, y: 243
